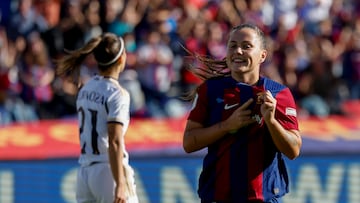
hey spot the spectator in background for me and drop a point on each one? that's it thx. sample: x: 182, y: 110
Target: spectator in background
x: 351, y: 62
x: 311, y: 90
x: 186, y: 22
x: 51, y: 10
x: 231, y: 11
x: 12, y: 107
x: 5, y: 115
x: 130, y: 78
x: 6, y: 63
x: 195, y: 42
x: 25, y: 20
x: 36, y: 76
x: 288, y: 66
x: 110, y: 11
x: 72, y: 25
x: 92, y: 27
x: 155, y: 72
x: 128, y: 16
x: 325, y: 91
x: 216, y: 43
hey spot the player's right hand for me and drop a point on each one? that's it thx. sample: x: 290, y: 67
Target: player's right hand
x: 120, y: 194
x: 241, y: 117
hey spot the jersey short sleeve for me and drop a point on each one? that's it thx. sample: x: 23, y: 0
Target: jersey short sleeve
x: 286, y: 112
x: 118, y: 105
x: 198, y: 111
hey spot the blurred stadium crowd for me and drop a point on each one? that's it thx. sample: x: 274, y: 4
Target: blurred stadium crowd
x: 314, y: 48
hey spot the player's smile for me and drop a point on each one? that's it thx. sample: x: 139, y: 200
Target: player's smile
x: 239, y: 61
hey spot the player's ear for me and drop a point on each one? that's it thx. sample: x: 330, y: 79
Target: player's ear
x: 263, y: 55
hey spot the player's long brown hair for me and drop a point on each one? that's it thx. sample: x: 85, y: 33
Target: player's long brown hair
x: 104, y: 47
x: 210, y: 67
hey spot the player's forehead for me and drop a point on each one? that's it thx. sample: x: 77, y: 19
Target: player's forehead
x: 244, y: 34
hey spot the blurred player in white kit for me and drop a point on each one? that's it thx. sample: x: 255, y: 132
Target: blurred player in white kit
x: 103, y: 106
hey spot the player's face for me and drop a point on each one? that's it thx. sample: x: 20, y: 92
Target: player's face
x: 244, y: 52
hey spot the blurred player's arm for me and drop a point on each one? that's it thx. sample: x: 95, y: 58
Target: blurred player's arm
x: 116, y: 155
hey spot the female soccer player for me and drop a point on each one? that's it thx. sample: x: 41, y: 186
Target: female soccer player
x: 246, y: 121
x: 104, y: 175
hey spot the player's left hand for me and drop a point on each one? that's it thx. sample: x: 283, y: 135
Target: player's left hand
x: 268, y: 105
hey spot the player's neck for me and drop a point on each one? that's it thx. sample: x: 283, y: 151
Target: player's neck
x: 110, y: 74
x: 248, y: 79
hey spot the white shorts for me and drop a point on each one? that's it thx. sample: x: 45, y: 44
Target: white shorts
x: 95, y: 184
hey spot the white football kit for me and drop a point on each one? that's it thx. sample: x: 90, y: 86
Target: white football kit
x: 100, y: 101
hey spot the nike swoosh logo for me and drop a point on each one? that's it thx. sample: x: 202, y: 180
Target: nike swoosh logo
x: 227, y: 106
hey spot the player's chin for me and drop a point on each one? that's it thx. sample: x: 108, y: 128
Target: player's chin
x: 240, y: 69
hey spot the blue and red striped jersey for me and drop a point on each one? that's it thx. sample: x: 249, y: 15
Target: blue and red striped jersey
x: 244, y: 165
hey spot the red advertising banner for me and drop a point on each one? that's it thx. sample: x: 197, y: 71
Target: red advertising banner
x: 59, y: 138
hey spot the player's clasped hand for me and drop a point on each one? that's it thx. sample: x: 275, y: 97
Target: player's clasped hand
x: 241, y: 117
x: 268, y: 105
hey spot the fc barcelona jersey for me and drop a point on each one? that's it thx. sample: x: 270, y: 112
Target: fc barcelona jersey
x: 245, y: 164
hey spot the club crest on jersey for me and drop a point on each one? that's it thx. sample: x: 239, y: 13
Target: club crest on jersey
x: 259, y: 99
x: 257, y: 118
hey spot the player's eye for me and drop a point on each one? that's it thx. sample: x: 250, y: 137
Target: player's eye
x: 232, y: 45
x: 246, y: 46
